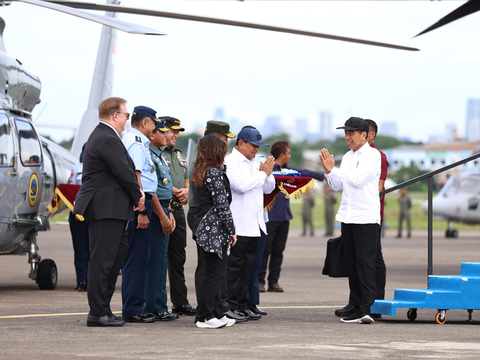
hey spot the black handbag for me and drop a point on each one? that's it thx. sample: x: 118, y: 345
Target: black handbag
x: 335, y: 264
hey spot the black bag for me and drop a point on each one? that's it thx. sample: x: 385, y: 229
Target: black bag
x: 335, y: 264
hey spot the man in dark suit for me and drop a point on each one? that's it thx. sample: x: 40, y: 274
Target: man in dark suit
x: 106, y: 200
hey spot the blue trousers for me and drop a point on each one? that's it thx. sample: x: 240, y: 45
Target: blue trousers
x: 135, y: 266
x: 81, y: 248
x: 157, y: 264
x: 253, y: 290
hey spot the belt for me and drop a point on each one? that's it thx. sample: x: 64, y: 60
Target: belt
x: 176, y: 204
x: 164, y: 202
x: 148, y: 196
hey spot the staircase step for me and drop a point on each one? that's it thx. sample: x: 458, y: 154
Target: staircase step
x: 470, y: 269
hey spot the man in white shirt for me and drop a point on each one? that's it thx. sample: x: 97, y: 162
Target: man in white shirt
x: 359, y: 213
x: 248, y: 183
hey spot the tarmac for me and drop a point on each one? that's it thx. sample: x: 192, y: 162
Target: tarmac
x: 51, y: 324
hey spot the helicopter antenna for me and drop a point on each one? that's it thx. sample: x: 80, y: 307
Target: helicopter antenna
x: 39, y: 113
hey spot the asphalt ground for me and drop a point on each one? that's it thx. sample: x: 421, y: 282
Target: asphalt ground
x: 44, y: 324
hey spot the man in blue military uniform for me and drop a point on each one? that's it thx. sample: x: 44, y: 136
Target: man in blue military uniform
x: 135, y: 267
x: 177, y: 256
x: 162, y: 226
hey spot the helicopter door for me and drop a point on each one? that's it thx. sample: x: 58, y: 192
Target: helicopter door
x: 7, y: 171
x: 29, y: 168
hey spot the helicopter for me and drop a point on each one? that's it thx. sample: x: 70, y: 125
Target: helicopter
x: 31, y: 166
x: 457, y: 201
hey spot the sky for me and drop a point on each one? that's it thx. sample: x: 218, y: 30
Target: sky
x: 253, y: 74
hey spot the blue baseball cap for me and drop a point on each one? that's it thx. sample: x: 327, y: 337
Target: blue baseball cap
x: 252, y: 136
x: 160, y: 126
x: 145, y: 111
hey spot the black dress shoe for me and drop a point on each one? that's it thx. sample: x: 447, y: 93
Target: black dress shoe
x: 251, y: 315
x: 110, y: 314
x: 104, y: 320
x: 345, y: 311
x: 184, y: 309
x: 165, y: 316
x: 256, y: 310
x: 141, y: 318
x: 81, y: 286
x: 237, y: 315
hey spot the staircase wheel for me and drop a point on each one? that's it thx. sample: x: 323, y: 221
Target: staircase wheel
x: 412, y: 314
x: 441, y: 318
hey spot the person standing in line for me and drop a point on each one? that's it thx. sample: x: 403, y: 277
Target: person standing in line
x: 214, y: 225
x: 307, y: 220
x: 380, y: 268
x: 135, y: 267
x: 177, y: 164
x: 279, y: 221
x: 107, y: 199
x: 79, y: 231
x: 329, y: 201
x: 248, y: 183
x: 162, y: 226
x: 405, y: 204
x: 359, y: 213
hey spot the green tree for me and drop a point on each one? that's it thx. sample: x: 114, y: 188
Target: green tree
x: 410, y: 172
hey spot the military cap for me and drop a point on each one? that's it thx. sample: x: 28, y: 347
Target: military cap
x: 220, y: 127
x: 172, y: 123
x: 160, y: 126
x: 145, y: 111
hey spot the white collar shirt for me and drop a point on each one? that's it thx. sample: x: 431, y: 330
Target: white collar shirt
x: 358, y: 176
x: 248, y: 185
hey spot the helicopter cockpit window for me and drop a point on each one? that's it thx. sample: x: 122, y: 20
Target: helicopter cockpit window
x: 6, y: 143
x: 470, y: 185
x: 30, y: 152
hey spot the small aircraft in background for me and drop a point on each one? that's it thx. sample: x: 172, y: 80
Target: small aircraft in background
x: 457, y: 201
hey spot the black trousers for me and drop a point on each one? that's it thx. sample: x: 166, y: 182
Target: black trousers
x: 239, y: 271
x: 210, y: 299
x: 360, y: 249
x: 380, y: 270
x: 274, y: 247
x: 108, y: 249
x: 176, y: 259
x: 200, y: 269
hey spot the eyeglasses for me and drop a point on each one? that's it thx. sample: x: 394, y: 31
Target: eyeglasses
x: 126, y: 113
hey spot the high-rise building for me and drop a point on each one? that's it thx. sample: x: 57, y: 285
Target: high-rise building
x: 388, y: 128
x: 301, y: 129
x: 326, y: 126
x: 273, y: 125
x: 218, y: 114
x: 451, y: 133
x: 473, y: 120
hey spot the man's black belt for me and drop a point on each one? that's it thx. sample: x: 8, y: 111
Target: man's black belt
x: 148, y: 196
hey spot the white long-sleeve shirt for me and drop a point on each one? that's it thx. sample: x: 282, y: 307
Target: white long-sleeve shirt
x: 248, y: 186
x: 358, y: 176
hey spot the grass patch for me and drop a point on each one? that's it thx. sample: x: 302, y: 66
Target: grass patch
x: 418, y: 218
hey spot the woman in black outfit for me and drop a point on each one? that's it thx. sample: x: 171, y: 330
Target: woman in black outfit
x: 215, y: 228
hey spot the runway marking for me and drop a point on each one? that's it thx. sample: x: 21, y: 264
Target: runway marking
x: 118, y: 312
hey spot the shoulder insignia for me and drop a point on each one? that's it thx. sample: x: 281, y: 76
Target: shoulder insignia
x: 137, y: 138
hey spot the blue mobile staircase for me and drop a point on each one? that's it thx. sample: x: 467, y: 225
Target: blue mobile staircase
x: 444, y: 292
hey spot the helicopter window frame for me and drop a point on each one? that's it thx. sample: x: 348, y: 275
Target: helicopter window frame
x: 25, y: 157
x: 4, y: 120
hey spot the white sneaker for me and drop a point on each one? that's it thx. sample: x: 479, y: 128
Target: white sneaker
x: 366, y: 319
x: 227, y: 321
x: 213, y: 323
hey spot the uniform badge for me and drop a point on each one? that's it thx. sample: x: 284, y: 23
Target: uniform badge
x: 165, y: 182
x: 153, y: 168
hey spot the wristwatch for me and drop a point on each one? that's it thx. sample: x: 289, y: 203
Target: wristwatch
x: 143, y: 212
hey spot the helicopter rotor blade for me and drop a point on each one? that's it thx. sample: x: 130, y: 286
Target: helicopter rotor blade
x: 112, y: 22
x: 136, y: 11
x: 464, y: 10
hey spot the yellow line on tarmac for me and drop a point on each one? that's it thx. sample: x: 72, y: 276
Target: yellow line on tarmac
x: 118, y: 312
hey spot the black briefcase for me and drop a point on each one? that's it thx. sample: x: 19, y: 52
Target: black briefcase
x: 335, y: 264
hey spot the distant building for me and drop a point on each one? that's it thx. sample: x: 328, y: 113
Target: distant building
x: 273, y: 125
x: 301, y: 129
x: 451, y: 134
x: 388, y: 128
x: 473, y: 120
x: 326, y: 132
x: 218, y: 114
